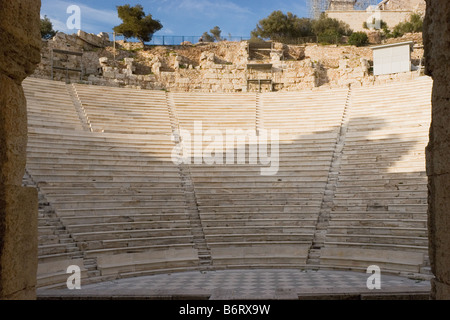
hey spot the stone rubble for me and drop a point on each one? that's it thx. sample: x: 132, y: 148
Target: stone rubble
x: 213, y: 67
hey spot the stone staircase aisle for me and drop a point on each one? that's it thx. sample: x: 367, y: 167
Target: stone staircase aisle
x: 425, y: 268
x: 204, y: 253
x: 320, y: 233
x: 54, y: 239
x: 259, y: 105
x: 79, y: 107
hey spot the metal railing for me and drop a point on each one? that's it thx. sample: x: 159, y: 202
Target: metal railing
x: 178, y: 40
x: 323, y: 39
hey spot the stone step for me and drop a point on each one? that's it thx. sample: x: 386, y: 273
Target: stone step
x: 67, y: 241
x: 94, y: 273
x: 313, y: 261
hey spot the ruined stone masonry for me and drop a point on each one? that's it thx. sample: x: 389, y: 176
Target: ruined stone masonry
x: 20, y: 46
x: 391, y: 11
x: 437, y: 57
x: 213, y: 67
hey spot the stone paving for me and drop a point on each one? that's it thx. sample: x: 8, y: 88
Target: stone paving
x: 253, y: 284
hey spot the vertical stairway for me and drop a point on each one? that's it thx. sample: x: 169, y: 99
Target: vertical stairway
x: 51, y: 229
x: 320, y: 233
x: 191, y: 205
x: 79, y: 107
x: 425, y: 268
x: 259, y: 104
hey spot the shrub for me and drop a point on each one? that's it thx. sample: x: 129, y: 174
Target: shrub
x: 214, y: 36
x: 136, y: 23
x: 358, y: 39
x: 47, y: 31
x: 415, y: 24
x: 329, y: 30
x: 279, y: 26
x: 329, y: 36
x: 324, y: 24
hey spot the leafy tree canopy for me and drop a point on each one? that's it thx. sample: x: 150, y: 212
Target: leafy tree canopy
x: 358, y: 39
x: 136, y: 24
x: 330, y: 30
x: 326, y: 24
x: 415, y: 24
x: 216, y: 35
x: 47, y: 31
x: 279, y: 26
x: 206, y: 37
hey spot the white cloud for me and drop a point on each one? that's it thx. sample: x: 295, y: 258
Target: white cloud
x: 206, y: 8
x: 92, y: 20
x: 211, y: 7
x: 166, y: 32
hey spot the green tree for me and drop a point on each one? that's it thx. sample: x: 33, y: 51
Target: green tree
x: 136, y: 24
x: 281, y: 27
x: 358, y: 39
x: 47, y: 31
x: 216, y: 33
x: 415, y: 24
x: 329, y: 36
x: 329, y: 30
x: 206, y: 37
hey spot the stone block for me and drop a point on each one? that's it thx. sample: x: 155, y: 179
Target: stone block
x: 92, y: 39
x: 90, y: 71
x: 440, y: 224
x: 149, y: 78
x: 104, y: 36
x: 211, y: 75
x: 109, y: 74
x: 13, y: 132
x: 18, y: 231
x: 103, y: 60
x: 228, y: 87
x: 437, y: 56
x: 20, y: 40
x: 92, y: 78
x: 184, y: 81
x: 439, y: 289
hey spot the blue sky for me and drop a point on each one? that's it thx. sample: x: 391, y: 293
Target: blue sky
x: 179, y: 17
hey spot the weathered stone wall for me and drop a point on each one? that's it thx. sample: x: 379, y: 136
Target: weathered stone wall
x: 20, y: 46
x: 101, y: 40
x: 437, y: 55
x: 411, y: 5
x: 89, y: 43
x: 342, y: 5
x: 331, y: 55
x: 355, y: 19
x: 214, y: 67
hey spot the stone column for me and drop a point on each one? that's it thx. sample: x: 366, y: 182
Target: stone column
x: 20, y: 44
x: 437, y: 55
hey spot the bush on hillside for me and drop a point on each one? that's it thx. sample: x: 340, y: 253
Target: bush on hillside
x: 358, y: 39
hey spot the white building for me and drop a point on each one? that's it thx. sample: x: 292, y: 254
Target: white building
x: 392, y: 58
